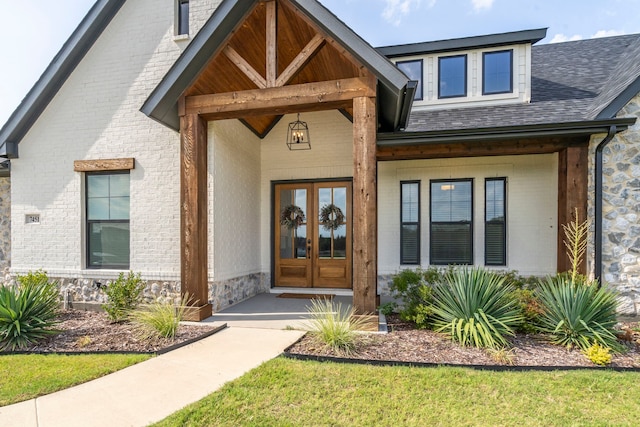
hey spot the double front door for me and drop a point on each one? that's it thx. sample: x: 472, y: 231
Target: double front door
x: 313, y: 235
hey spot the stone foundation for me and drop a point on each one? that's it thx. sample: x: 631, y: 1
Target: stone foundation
x: 621, y: 211
x: 225, y: 293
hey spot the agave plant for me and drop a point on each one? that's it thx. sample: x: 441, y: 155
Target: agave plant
x: 476, y: 307
x: 27, y: 312
x: 576, y: 314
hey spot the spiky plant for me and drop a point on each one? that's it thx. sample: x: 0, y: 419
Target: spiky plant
x: 476, y: 307
x: 159, y: 319
x: 578, y: 315
x: 334, y: 326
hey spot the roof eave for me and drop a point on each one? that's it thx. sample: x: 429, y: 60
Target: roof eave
x: 56, y: 73
x: 508, y: 132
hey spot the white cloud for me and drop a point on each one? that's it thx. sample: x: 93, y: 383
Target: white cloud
x: 607, y: 33
x: 395, y: 10
x: 478, y: 5
x: 559, y: 38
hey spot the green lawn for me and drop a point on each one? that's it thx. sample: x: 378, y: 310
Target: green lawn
x: 24, y: 377
x: 294, y: 393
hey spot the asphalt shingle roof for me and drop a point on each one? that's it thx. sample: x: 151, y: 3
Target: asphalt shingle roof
x: 571, y: 82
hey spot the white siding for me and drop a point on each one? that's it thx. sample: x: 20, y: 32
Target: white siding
x: 330, y: 156
x: 95, y: 115
x: 531, y: 207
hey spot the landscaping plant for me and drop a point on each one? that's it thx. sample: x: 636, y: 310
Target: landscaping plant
x: 159, y: 319
x: 475, y: 306
x: 28, y: 311
x: 413, y: 288
x: 334, y: 326
x: 598, y: 354
x: 530, y: 309
x: 123, y: 295
x: 578, y: 315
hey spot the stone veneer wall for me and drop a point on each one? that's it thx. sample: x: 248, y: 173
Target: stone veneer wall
x: 222, y: 294
x: 5, y: 222
x: 621, y: 211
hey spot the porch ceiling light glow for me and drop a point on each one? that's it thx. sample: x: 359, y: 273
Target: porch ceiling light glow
x: 298, y: 135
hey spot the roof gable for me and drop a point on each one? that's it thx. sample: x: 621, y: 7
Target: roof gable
x: 226, y: 30
x: 56, y: 73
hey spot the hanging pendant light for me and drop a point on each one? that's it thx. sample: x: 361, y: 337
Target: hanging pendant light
x: 298, y: 135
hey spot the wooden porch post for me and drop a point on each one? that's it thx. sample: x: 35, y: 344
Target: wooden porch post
x: 365, y: 219
x: 193, y: 215
x: 573, y: 169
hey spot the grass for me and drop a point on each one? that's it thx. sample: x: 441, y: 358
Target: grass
x: 24, y: 377
x: 285, y: 392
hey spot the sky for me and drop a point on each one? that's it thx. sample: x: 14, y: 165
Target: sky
x: 33, y: 31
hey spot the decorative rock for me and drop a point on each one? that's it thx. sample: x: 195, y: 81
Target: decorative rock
x: 626, y: 306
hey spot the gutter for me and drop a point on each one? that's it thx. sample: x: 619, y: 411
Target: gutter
x: 598, y: 203
x: 391, y: 139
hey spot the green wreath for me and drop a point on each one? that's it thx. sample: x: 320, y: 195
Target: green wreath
x: 292, y: 217
x: 331, y: 217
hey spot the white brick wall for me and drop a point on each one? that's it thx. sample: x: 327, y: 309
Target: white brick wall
x: 234, y: 201
x: 531, y: 207
x: 96, y: 115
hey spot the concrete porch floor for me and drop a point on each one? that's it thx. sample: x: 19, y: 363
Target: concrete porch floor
x: 267, y: 311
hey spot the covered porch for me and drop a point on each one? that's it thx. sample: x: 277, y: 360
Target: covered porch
x: 257, y: 61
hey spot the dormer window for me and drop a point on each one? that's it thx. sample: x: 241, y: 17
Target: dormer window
x: 452, y: 76
x: 497, y: 72
x: 182, y: 17
x: 413, y: 70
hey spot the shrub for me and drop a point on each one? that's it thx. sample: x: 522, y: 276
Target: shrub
x: 530, y: 309
x: 575, y: 314
x: 476, y: 308
x: 334, y: 326
x: 160, y: 319
x: 598, y: 354
x: 413, y: 288
x: 387, y: 308
x: 28, y: 311
x: 123, y: 295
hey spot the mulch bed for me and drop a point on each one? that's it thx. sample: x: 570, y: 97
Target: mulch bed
x: 92, y: 332
x: 405, y: 343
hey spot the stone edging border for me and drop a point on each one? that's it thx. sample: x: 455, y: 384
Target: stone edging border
x: 207, y: 334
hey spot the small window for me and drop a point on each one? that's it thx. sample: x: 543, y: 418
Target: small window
x: 497, y: 73
x: 452, y: 76
x: 107, y: 204
x: 410, y: 222
x: 495, y: 225
x: 183, y: 17
x: 413, y: 70
x: 451, y: 222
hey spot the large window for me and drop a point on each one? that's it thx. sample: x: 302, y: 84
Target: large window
x: 410, y: 222
x: 452, y: 76
x: 183, y: 17
x: 107, y: 220
x: 497, y: 72
x: 451, y: 222
x: 413, y: 70
x: 495, y: 225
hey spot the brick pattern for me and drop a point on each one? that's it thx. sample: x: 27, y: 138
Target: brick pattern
x: 5, y: 222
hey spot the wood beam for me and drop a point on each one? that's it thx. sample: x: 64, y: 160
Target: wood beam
x: 301, y: 60
x: 477, y: 149
x: 245, y: 67
x: 104, y: 165
x: 272, y: 43
x: 193, y: 215
x: 573, y: 169
x: 365, y: 221
x: 281, y: 100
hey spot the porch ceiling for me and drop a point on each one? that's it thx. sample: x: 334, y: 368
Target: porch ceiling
x: 303, y: 54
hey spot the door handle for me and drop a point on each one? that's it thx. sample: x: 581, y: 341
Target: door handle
x: 308, y: 251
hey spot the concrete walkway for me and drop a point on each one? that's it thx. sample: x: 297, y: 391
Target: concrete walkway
x: 152, y: 390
